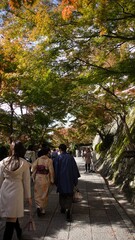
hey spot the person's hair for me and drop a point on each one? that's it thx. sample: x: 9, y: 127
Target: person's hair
x: 63, y: 147
x: 10, y: 139
x: 45, y: 151
x: 30, y: 147
x: 44, y: 145
x: 19, y: 150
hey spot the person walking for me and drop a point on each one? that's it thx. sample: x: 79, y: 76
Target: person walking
x: 66, y: 178
x: 14, y: 184
x: 43, y: 176
x: 87, y: 158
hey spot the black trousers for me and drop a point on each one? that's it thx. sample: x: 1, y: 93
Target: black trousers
x: 87, y: 167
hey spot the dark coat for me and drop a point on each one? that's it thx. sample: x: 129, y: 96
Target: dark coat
x: 66, y: 173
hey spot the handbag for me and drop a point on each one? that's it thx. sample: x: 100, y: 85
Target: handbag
x: 30, y: 226
x: 77, y: 196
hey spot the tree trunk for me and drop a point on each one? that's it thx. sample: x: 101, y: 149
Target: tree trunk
x: 11, y: 119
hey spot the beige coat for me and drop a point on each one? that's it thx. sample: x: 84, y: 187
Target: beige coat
x: 87, y: 157
x: 14, y: 186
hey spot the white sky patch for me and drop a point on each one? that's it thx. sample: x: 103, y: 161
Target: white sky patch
x: 17, y: 110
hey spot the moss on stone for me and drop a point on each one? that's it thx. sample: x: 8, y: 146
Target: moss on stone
x: 115, y: 165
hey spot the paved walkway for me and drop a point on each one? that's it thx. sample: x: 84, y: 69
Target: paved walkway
x: 99, y: 215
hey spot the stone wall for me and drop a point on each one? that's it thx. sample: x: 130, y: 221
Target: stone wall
x: 118, y: 162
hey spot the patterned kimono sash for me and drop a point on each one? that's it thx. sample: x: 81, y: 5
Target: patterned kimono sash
x: 42, y: 170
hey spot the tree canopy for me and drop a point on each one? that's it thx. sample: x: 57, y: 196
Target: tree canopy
x: 69, y: 56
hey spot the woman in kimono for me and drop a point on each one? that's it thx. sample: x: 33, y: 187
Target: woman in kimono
x: 43, y: 176
x: 14, y: 185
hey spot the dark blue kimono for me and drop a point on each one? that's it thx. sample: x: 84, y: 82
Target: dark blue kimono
x: 66, y: 173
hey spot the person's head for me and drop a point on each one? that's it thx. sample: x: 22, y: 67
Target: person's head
x: 62, y: 147
x: 30, y: 147
x: 46, y: 151
x: 70, y: 152
x: 11, y: 139
x: 19, y: 149
x: 43, y: 145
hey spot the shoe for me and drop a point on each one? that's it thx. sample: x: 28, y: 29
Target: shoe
x: 68, y: 216
x: 38, y: 212
x: 92, y: 171
x: 43, y: 211
x: 63, y: 210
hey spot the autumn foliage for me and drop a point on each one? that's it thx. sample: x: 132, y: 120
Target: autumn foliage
x: 17, y: 3
x: 68, y: 6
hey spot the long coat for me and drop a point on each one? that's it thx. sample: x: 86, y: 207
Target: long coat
x: 14, y: 186
x: 88, y: 157
x: 66, y: 173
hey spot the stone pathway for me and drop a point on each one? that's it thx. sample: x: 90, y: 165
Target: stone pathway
x: 99, y: 215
